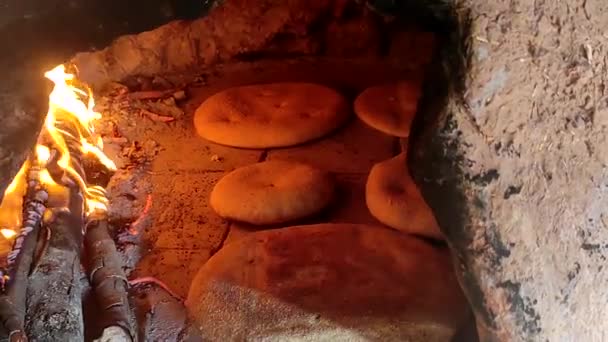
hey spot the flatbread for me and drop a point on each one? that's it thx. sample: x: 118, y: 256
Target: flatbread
x: 393, y: 199
x: 270, y: 115
x: 272, y: 192
x: 389, y: 108
x: 327, y: 282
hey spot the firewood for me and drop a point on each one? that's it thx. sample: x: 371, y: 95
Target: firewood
x: 114, y: 334
x: 108, y: 279
x: 20, y: 259
x: 54, y: 306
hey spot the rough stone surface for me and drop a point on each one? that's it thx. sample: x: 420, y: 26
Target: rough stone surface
x: 354, y: 148
x: 160, y: 316
x: 514, y: 166
x: 228, y: 31
x: 327, y: 282
x: 358, y: 36
x: 182, y: 231
x: 181, y: 205
x: 350, y: 206
x: 175, y: 267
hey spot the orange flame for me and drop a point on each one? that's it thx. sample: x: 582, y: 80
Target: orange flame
x: 66, y: 106
x: 8, y: 233
x: 72, y: 106
x: 10, y: 208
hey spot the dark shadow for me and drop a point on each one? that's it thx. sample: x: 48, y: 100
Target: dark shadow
x: 50, y: 36
x: 443, y: 93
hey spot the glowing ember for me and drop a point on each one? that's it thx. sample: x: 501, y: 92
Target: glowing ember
x: 8, y: 233
x: 68, y: 125
x: 43, y: 154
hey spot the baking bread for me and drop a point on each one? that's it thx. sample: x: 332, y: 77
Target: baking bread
x: 393, y: 199
x: 327, y: 282
x: 270, y: 115
x: 272, y: 192
x: 389, y: 108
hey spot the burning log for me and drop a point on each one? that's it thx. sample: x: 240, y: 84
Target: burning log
x: 109, y: 282
x: 55, y: 288
x: 56, y: 284
x: 20, y: 259
x: 104, y: 266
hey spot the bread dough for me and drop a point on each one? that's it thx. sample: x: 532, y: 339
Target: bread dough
x: 272, y: 192
x: 270, y: 115
x: 393, y: 199
x: 389, y: 108
x: 327, y: 282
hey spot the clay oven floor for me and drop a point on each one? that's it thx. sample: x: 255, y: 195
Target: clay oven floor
x: 167, y: 166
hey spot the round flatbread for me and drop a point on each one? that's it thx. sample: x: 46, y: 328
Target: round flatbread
x: 327, y: 282
x: 270, y: 115
x: 272, y: 192
x: 393, y: 199
x: 389, y: 108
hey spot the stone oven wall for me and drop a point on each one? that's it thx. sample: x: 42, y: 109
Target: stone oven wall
x: 514, y: 165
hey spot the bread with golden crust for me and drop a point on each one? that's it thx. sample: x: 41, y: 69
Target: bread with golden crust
x: 272, y: 192
x: 270, y: 115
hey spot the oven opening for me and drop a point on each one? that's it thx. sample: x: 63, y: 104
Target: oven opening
x: 228, y: 172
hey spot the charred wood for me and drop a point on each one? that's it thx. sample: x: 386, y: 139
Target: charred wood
x: 54, y: 307
x: 20, y: 259
x: 108, y: 280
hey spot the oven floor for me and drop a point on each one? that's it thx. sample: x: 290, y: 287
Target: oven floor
x: 159, y: 197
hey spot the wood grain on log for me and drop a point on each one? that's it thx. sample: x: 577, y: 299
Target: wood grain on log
x: 21, y: 258
x: 54, y: 307
x: 107, y: 277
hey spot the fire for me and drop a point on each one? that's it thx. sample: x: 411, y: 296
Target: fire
x: 69, y: 124
x: 10, y: 208
x: 18, y: 181
x: 72, y: 105
x: 43, y: 154
x: 8, y: 233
